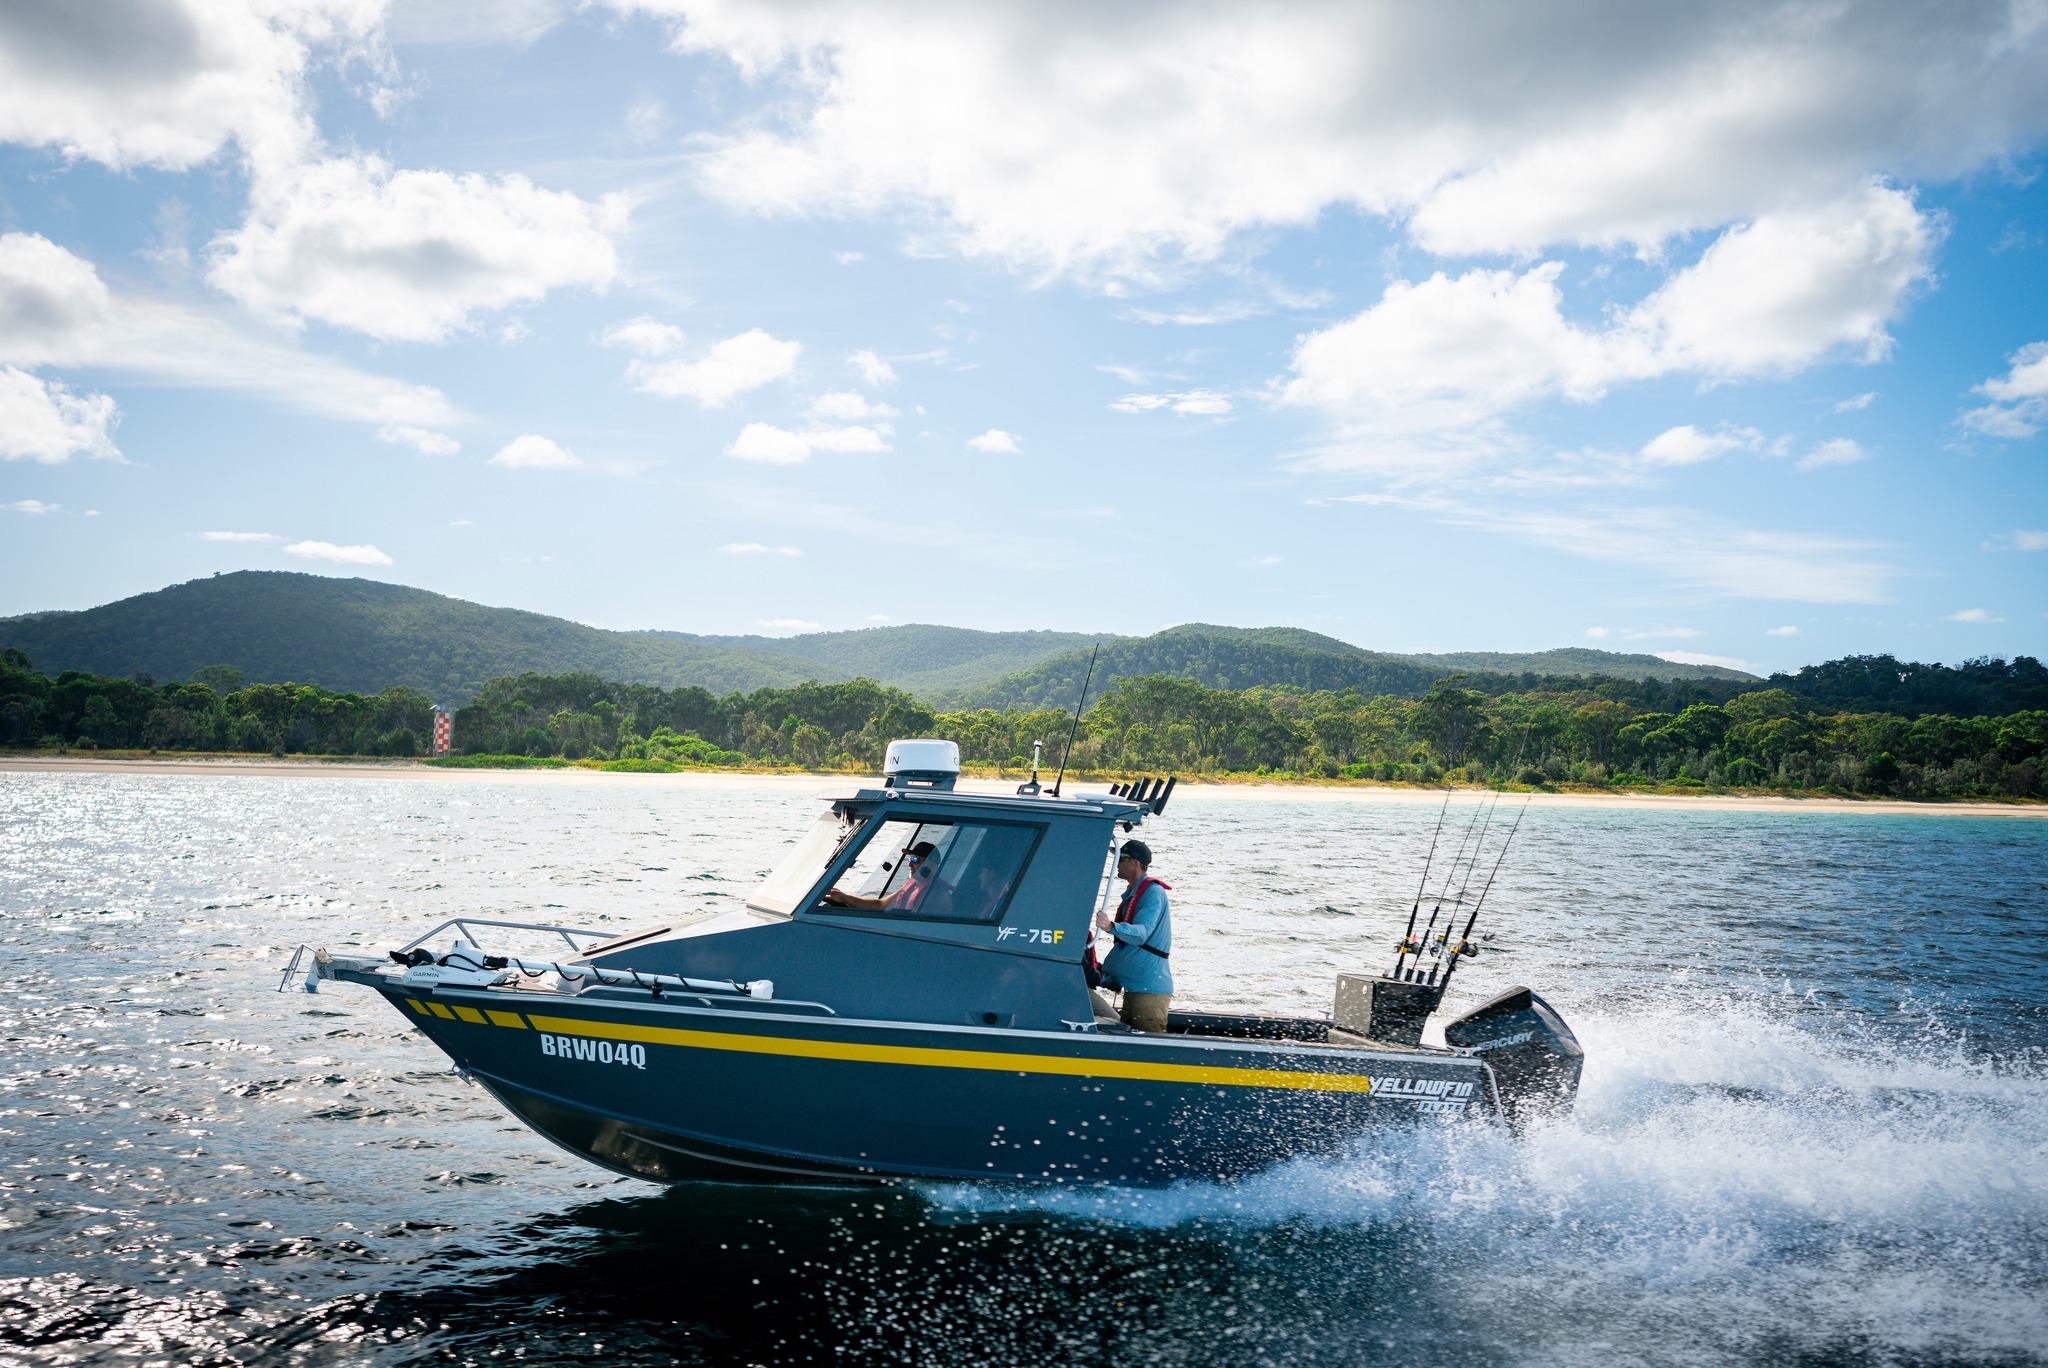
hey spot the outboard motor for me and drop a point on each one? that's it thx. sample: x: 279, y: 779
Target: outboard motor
x: 1535, y: 1057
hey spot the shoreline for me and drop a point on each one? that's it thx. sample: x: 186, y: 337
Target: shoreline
x: 1248, y: 788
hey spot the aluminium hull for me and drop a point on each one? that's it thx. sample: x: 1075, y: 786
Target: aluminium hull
x: 676, y: 1093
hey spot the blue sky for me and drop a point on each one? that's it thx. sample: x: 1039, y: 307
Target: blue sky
x: 1721, y: 334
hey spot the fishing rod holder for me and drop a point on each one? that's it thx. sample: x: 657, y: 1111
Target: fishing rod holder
x: 1383, y: 1008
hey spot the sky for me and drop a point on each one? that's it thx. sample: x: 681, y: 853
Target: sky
x: 1719, y: 332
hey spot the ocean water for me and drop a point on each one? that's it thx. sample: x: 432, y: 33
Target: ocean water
x: 1813, y: 1128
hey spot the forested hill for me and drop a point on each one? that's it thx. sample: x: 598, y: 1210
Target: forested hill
x: 1582, y: 661
x: 360, y: 635
x: 1215, y: 657
x: 1882, y: 683
x: 917, y: 657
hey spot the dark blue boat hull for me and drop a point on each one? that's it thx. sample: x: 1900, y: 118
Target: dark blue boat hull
x: 676, y: 1093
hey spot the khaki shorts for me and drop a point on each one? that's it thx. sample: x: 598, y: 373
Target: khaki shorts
x: 1140, y: 1011
x: 1145, y: 1011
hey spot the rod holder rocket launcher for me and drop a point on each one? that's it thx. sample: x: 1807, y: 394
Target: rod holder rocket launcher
x: 1151, y: 793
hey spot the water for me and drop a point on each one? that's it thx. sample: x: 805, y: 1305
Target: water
x: 1813, y: 1130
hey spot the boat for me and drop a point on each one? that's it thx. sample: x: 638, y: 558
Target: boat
x: 937, y: 1023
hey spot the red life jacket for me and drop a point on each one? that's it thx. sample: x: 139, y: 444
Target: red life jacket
x: 1127, y: 909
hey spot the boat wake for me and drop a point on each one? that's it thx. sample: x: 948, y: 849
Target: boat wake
x: 1801, y: 1189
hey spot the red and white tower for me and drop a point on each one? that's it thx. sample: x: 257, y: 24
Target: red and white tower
x: 444, y: 730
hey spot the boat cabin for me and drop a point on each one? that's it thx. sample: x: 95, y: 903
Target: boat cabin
x: 918, y: 902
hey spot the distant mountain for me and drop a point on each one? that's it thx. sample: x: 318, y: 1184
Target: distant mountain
x: 1218, y: 657
x: 353, y: 634
x: 917, y: 657
x: 1580, y: 660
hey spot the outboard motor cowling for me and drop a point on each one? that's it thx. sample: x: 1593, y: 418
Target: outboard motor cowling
x: 1535, y: 1057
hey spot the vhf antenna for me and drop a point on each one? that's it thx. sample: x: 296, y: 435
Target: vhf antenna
x: 1066, y: 754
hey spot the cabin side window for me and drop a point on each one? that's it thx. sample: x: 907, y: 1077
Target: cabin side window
x: 936, y: 871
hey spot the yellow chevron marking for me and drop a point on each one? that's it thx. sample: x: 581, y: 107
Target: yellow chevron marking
x: 441, y: 1011
x: 512, y: 1019
x: 416, y: 1005
x: 929, y: 1057
x: 471, y: 1014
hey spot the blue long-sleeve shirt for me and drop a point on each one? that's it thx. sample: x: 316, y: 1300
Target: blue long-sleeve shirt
x: 1128, y: 965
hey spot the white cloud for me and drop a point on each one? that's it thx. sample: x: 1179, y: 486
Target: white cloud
x: 647, y: 336
x: 42, y: 420
x: 847, y: 405
x: 880, y: 617
x: 1188, y: 403
x: 1263, y: 562
x: 1432, y: 370
x: 1786, y: 631
x: 1856, y: 403
x: 1694, y: 549
x: 1776, y: 294
x: 35, y: 508
x: 645, y: 120
x: 240, y: 537
x: 535, y: 452
x: 758, y: 549
x: 873, y: 369
x: 55, y: 311
x: 849, y: 258
x: 1642, y: 633
x: 340, y: 555
x: 423, y: 440
x: 996, y: 440
x: 732, y: 368
x: 1835, y: 451
x: 853, y: 439
x: 1119, y: 141
x: 1978, y: 615
x: 1702, y: 658
x: 1687, y: 445
x: 409, y: 255
x: 53, y: 306
x: 2019, y: 398
x: 771, y: 445
x: 2019, y: 539
x: 790, y: 625
x: 168, y: 84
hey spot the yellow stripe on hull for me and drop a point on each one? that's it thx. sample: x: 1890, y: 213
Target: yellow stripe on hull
x: 930, y: 1057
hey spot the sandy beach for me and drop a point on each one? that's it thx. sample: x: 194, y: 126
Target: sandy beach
x: 409, y: 770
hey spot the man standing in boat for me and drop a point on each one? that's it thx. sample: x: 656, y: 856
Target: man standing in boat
x: 1143, y: 930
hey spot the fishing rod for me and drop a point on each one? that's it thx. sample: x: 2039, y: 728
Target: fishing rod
x: 1437, y: 910
x: 1471, y: 867
x: 1068, y: 753
x: 1408, y: 937
x: 1464, y: 947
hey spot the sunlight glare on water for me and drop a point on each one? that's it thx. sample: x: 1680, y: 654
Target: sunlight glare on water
x: 1814, y: 1125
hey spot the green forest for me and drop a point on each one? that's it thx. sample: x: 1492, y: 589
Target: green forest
x: 1862, y: 725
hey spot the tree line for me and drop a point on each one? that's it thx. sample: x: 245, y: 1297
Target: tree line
x: 1597, y: 732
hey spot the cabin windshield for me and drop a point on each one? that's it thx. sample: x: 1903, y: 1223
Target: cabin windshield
x: 804, y: 865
